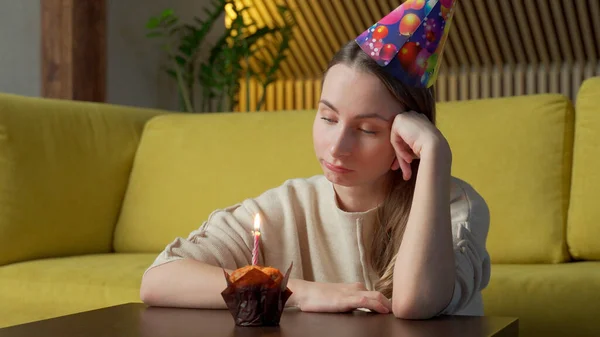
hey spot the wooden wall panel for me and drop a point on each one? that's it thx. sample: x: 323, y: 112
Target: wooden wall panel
x: 74, y: 49
x: 495, y: 48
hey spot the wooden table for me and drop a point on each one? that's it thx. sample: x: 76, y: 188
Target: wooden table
x: 133, y: 320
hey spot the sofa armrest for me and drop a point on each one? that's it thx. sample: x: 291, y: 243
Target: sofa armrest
x: 64, y: 167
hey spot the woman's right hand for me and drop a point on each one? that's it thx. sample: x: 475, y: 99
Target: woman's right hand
x: 339, y: 297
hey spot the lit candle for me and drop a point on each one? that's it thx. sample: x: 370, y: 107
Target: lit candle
x: 256, y: 234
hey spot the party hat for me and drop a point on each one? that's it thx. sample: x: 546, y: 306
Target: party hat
x: 409, y: 41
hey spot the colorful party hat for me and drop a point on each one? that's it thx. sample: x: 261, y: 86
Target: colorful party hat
x: 409, y: 41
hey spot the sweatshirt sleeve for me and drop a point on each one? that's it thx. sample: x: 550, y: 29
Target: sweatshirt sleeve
x: 470, y: 225
x: 223, y: 240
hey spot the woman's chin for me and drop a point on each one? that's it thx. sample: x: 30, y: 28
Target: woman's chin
x: 342, y: 179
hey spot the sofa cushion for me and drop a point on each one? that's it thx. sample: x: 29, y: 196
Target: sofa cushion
x: 41, y: 289
x: 64, y: 168
x: 549, y: 300
x: 516, y: 152
x: 189, y: 165
x: 583, y: 230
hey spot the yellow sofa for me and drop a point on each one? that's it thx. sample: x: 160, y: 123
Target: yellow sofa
x: 90, y: 193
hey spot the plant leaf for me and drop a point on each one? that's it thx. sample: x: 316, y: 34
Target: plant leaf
x: 167, y: 13
x: 170, y: 21
x: 180, y: 60
x: 153, y: 23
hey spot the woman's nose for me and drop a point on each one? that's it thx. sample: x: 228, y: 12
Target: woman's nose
x: 341, y: 145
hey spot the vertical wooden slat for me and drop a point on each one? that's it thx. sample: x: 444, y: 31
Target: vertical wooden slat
x: 453, y: 85
x: 73, y: 49
x: 254, y: 92
x: 543, y: 85
x: 485, y: 82
x: 317, y: 87
x: 280, y: 95
x: 441, y: 88
x: 474, y: 85
x: 497, y: 81
x: 308, y: 94
x: 565, y: 79
x: 530, y: 79
x: 298, y: 95
x: 270, y: 100
x: 519, y: 80
x: 590, y: 70
x: 576, y: 79
x: 554, y: 78
x: 463, y: 84
x: 289, y: 94
x: 243, y: 96
x: 508, y: 80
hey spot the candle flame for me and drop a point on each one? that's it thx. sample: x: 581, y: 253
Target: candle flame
x: 257, y: 223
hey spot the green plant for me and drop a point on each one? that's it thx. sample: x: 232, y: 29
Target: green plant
x: 243, y: 51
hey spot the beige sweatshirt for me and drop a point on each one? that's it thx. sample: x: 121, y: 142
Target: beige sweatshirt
x: 302, y: 223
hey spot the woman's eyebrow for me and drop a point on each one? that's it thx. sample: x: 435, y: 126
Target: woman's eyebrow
x: 362, y: 116
x: 372, y: 115
x: 329, y: 105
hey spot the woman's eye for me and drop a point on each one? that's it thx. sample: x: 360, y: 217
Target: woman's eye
x: 331, y: 121
x: 368, y: 132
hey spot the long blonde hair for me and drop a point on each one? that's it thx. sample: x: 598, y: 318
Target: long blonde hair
x: 393, y: 214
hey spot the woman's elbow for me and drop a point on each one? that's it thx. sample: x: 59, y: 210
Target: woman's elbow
x: 148, y: 292
x: 145, y: 293
x: 412, y: 309
x: 410, y: 313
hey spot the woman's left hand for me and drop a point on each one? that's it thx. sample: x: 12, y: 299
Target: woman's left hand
x: 414, y: 136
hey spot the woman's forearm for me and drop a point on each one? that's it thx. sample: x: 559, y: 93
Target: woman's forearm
x: 424, y: 273
x: 189, y: 283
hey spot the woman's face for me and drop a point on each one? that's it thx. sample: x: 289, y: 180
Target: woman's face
x: 351, y: 131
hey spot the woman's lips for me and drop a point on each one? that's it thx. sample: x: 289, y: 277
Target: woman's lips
x: 338, y: 169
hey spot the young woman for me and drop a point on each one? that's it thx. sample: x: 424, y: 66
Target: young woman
x: 386, y: 227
